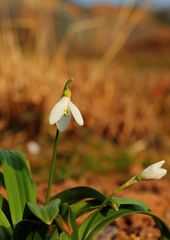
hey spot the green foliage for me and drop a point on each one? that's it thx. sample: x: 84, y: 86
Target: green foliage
x: 34, y: 235
x: 3, y: 220
x: 46, y: 213
x: 28, y: 227
x: 22, y: 218
x: 18, y: 183
x: 108, y: 215
x: 76, y: 194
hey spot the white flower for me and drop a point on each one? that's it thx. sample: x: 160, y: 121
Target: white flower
x: 61, y: 113
x: 154, y: 171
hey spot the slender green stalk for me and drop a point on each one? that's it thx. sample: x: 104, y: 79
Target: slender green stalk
x: 107, y: 200
x: 125, y: 185
x: 52, y: 166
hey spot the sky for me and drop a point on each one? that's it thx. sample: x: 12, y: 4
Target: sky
x: 155, y: 3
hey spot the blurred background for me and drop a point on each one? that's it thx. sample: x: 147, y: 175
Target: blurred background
x: 118, y: 53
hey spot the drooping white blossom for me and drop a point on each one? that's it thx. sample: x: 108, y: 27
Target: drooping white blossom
x: 154, y: 171
x: 62, y: 111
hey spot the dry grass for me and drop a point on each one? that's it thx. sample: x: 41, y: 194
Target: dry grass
x: 118, y: 100
x: 120, y: 105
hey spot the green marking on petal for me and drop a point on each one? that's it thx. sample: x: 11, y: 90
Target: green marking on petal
x: 66, y: 112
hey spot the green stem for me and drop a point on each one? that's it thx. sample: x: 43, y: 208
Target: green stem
x: 52, y: 167
x: 125, y: 185
x: 119, y: 189
x: 107, y: 200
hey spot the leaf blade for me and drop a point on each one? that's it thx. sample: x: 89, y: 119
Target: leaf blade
x: 108, y: 215
x: 46, y: 213
x: 76, y: 194
x: 18, y: 182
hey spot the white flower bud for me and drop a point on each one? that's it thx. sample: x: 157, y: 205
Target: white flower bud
x: 154, y: 171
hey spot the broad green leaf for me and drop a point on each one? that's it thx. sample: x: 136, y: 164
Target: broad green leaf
x: 130, y: 201
x: 74, y: 236
x: 76, y: 194
x: 54, y: 234
x: 18, y: 182
x: 3, y: 220
x: 5, y: 234
x: 5, y: 227
x: 46, y: 213
x: 5, y: 208
x: 26, y: 227
x: 108, y: 215
x: 64, y: 236
x: 34, y: 236
x: 81, y: 208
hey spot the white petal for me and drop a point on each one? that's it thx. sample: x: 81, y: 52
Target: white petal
x: 63, y: 123
x: 58, y: 110
x: 159, y: 173
x: 158, y: 164
x: 76, y: 113
x: 154, y: 171
x: 147, y: 174
x: 155, y: 166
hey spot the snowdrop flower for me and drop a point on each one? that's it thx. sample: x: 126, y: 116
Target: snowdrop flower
x: 154, y: 171
x: 62, y: 110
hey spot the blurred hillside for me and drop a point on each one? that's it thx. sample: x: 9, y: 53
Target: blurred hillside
x: 41, y: 27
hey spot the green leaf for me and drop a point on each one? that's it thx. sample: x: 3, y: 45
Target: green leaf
x: 73, y: 223
x: 5, y: 234
x: 67, y: 222
x: 76, y: 194
x: 34, y: 236
x: 108, y: 215
x: 18, y: 182
x: 5, y: 227
x: 3, y: 220
x: 54, y: 234
x: 5, y: 208
x: 24, y: 228
x: 82, y: 208
x: 64, y: 236
x: 46, y: 213
x: 131, y: 201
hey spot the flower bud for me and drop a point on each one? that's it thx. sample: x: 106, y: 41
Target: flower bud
x: 154, y: 171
